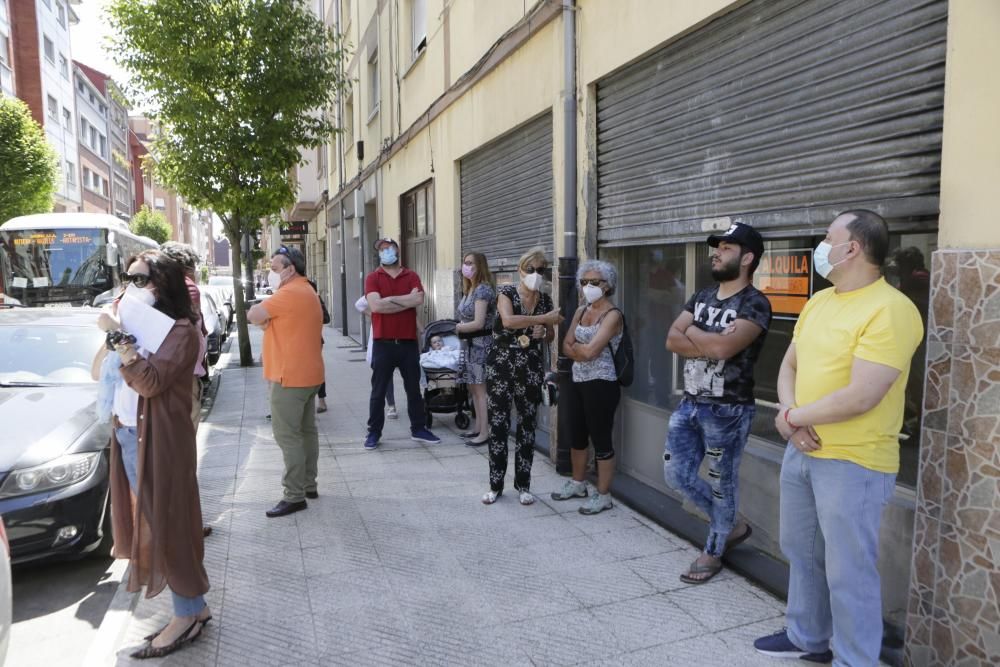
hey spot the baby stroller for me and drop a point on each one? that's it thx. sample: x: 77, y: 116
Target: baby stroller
x: 444, y: 393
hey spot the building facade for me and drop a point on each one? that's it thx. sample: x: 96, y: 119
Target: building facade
x: 43, y: 63
x: 6, y: 53
x: 631, y: 134
x: 94, y: 146
x: 116, y: 131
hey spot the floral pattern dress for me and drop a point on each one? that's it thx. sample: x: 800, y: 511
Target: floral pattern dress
x: 514, y: 377
x: 474, y: 350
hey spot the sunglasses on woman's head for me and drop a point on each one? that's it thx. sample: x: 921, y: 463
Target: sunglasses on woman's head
x: 596, y: 282
x: 137, y: 279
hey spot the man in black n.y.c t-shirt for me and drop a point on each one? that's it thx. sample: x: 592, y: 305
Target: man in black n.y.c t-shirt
x: 720, y: 334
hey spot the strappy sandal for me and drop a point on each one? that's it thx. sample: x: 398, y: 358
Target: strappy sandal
x: 710, y: 570
x: 150, y: 651
x: 154, y: 635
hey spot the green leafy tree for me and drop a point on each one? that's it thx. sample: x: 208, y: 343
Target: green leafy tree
x: 237, y: 88
x: 153, y: 224
x: 28, y: 166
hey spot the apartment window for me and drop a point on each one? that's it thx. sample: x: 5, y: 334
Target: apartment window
x: 4, y: 46
x: 67, y: 118
x: 83, y: 129
x: 48, y: 3
x: 93, y: 100
x: 82, y: 88
x: 373, y: 82
x: 86, y: 177
x: 102, y: 109
x: 104, y: 146
x: 61, y: 13
x: 93, y: 138
x: 418, y: 26
x: 64, y: 67
x: 70, y: 173
x: 53, y: 108
x: 50, y: 49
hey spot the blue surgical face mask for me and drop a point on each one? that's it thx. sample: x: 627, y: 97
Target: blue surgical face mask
x: 388, y: 255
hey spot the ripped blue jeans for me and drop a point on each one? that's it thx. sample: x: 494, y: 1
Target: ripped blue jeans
x: 719, y: 432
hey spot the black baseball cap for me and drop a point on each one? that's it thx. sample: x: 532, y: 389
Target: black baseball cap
x: 743, y: 234
x: 385, y: 239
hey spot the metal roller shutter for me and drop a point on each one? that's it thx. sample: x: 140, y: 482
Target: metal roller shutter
x: 507, y: 204
x: 781, y: 113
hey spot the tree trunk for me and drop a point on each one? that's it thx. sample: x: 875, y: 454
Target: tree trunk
x: 239, y: 302
x: 248, y: 267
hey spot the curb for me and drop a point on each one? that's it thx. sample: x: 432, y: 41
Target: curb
x: 115, y: 622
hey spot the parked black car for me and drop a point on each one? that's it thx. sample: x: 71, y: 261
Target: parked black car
x: 54, y: 456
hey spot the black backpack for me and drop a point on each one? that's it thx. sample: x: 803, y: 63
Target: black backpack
x: 623, y: 357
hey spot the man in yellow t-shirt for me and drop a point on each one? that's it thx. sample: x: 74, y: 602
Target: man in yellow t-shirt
x: 841, y: 387
x: 293, y: 364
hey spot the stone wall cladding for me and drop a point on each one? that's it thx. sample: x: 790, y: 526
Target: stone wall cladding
x: 953, y: 615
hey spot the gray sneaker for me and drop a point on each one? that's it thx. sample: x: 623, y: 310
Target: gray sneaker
x: 571, y: 489
x: 596, y: 504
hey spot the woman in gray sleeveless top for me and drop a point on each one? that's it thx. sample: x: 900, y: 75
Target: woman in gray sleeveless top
x: 594, y: 393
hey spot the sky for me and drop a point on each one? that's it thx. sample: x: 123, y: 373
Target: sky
x: 90, y: 37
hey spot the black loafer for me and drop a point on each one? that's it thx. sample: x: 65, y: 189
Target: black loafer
x: 285, y: 508
x: 312, y: 495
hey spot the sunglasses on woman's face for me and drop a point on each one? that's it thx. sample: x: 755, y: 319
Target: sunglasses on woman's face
x: 137, y: 279
x: 596, y: 282
x: 531, y: 269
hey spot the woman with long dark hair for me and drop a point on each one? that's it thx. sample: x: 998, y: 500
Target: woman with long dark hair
x: 156, y: 462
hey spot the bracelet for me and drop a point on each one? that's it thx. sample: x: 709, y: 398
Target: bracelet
x: 787, y: 420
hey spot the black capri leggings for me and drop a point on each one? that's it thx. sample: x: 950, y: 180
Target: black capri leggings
x: 593, y: 405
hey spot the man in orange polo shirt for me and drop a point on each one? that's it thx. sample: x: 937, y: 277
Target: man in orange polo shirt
x: 293, y: 364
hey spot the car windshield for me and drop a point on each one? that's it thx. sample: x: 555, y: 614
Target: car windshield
x: 36, y: 354
x: 56, y: 257
x: 222, y: 281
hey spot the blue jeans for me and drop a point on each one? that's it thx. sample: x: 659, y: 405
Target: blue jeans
x: 830, y: 516
x: 387, y: 356
x: 128, y: 437
x: 718, y: 431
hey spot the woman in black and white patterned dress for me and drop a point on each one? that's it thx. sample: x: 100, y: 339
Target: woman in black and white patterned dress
x: 515, y: 372
x: 476, y: 313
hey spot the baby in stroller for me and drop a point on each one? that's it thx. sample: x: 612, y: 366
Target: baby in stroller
x: 439, y: 365
x: 440, y: 355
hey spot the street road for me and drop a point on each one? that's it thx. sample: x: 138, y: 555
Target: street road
x: 58, y: 608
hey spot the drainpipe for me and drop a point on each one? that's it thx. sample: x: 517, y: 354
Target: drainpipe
x: 568, y: 262
x: 340, y: 189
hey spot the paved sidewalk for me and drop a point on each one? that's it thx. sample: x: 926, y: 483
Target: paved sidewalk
x: 399, y: 563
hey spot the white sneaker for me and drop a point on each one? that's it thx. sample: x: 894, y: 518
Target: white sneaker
x: 596, y: 504
x: 525, y: 498
x: 490, y: 497
x: 390, y: 412
x: 571, y: 489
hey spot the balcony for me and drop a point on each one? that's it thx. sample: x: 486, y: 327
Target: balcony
x: 307, y: 201
x: 7, y: 80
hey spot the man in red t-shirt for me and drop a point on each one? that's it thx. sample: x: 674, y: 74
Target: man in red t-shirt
x: 394, y: 293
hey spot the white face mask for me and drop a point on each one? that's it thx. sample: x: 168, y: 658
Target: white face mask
x: 592, y: 293
x: 532, y: 281
x: 142, y: 294
x: 821, y: 258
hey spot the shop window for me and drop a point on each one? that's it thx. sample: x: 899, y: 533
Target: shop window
x: 652, y: 293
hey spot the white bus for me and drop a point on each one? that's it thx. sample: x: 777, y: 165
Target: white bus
x: 65, y: 258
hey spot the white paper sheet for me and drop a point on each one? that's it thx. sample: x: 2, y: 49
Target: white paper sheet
x: 19, y: 282
x: 40, y: 282
x: 148, y: 325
